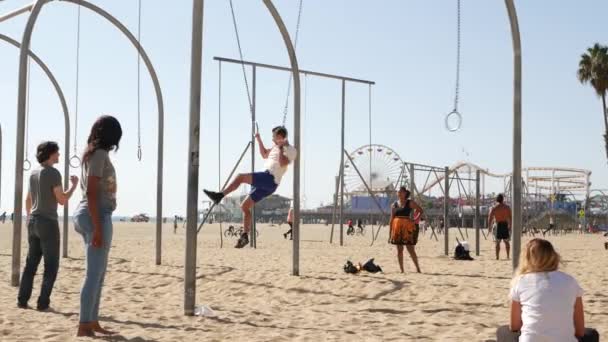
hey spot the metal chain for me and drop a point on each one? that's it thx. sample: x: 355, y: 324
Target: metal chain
x: 138, y: 82
x: 457, y: 88
x: 77, y: 84
x: 286, y: 108
x: 238, y: 42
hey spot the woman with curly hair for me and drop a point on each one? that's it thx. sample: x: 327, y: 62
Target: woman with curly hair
x: 93, y: 217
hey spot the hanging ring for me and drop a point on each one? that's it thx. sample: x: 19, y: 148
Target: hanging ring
x: 458, y: 116
x: 139, y: 153
x: 75, y: 162
x: 26, y: 165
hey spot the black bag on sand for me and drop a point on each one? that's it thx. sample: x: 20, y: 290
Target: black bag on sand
x: 369, y: 266
x: 350, y: 268
x: 460, y: 253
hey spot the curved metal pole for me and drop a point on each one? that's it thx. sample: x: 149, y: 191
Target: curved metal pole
x: 516, y: 182
x: 21, y: 102
x: 0, y: 163
x: 295, y: 70
x: 66, y: 115
x: 161, y: 115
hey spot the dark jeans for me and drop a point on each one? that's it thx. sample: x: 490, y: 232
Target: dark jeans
x: 504, y: 334
x: 43, y: 240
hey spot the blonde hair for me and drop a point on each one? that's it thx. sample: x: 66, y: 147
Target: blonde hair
x: 538, y: 256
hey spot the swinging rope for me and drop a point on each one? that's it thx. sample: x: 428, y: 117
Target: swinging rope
x: 455, y: 113
x: 27, y: 165
x: 369, y: 99
x: 238, y: 42
x: 286, y: 108
x: 303, y: 160
x: 75, y: 161
x: 139, y: 153
x: 219, y: 144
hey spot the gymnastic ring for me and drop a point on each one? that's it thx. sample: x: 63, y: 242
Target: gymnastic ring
x: 26, y: 165
x: 447, y: 121
x: 75, y: 162
x: 139, y: 154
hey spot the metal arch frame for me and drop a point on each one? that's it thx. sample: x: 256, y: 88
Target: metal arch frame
x: 27, y: 36
x: 193, y: 147
x: 66, y: 115
x: 0, y: 163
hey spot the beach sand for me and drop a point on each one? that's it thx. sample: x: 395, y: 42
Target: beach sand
x: 255, y: 298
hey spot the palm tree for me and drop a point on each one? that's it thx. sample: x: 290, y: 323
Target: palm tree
x: 593, y: 69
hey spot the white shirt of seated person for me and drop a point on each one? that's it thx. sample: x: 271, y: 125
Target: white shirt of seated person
x: 547, y: 305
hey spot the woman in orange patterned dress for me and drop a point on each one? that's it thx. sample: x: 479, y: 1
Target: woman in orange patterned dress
x: 403, y: 229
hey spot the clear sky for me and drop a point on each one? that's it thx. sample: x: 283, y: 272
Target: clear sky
x: 407, y: 47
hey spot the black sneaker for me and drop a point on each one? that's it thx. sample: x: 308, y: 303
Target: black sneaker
x: 43, y: 308
x: 22, y: 306
x: 243, y: 241
x: 216, y: 197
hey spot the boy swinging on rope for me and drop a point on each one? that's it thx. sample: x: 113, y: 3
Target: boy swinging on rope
x: 263, y: 184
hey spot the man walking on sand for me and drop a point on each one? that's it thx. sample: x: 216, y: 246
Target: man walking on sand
x: 501, y: 214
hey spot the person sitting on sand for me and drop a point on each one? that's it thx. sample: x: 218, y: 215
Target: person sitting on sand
x: 263, y: 184
x: 501, y: 215
x: 403, y: 230
x: 546, y: 304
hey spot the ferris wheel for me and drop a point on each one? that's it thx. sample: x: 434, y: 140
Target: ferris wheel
x: 380, y: 166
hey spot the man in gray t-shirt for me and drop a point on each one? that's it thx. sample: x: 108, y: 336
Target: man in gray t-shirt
x: 45, y: 192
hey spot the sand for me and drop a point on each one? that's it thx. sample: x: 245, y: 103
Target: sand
x: 256, y: 299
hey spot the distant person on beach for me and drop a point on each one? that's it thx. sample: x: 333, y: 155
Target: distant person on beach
x: 290, y: 223
x: 403, y: 231
x: 44, y: 194
x: 175, y: 224
x: 93, y: 218
x: 3, y: 217
x: 551, y: 225
x: 501, y: 215
x: 351, y: 227
x: 263, y: 184
x: 360, y: 224
x: 546, y: 304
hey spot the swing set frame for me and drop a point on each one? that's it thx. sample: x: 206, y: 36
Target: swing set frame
x: 34, y: 10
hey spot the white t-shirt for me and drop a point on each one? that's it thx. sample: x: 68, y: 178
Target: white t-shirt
x: 273, y: 165
x: 547, y: 306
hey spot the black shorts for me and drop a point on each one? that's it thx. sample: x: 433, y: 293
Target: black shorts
x: 502, y: 231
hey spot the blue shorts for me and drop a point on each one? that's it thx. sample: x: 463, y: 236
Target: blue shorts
x: 262, y: 186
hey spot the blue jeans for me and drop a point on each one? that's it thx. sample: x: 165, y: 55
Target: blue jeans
x: 43, y: 240
x: 96, y: 261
